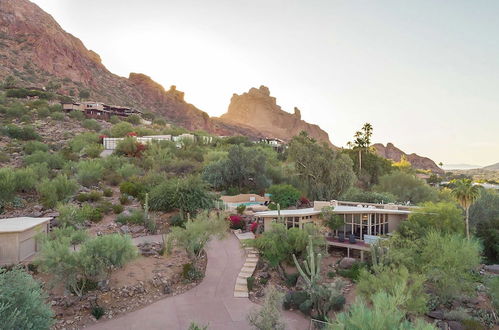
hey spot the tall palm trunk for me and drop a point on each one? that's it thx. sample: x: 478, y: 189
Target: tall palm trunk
x: 468, y: 222
x: 360, y: 161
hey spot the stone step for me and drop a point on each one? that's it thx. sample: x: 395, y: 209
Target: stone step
x: 241, y: 287
x: 244, y: 275
x: 248, y: 269
x: 241, y: 295
x: 252, y: 259
x: 242, y: 281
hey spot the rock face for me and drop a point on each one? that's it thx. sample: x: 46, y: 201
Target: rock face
x: 37, y: 52
x: 259, y: 111
x: 395, y: 154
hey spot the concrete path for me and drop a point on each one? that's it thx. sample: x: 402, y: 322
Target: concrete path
x: 211, y: 302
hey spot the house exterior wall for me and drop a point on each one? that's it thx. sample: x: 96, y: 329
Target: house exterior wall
x: 394, y: 221
x: 9, y: 248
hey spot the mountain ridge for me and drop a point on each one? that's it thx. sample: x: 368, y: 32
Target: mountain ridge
x: 390, y: 151
x: 37, y: 51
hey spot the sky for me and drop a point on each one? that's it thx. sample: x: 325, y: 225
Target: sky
x: 424, y: 73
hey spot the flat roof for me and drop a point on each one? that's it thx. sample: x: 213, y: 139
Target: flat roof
x: 15, y: 225
x: 340, y: 209
x: 298, y: 212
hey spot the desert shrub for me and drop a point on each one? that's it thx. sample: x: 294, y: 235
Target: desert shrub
x: 133, y: 119
x: 384, y: 314
x: 4, y: 157
x: 450, y: 270
x: 196, y: 234
x: 493, y: 285
x: 406, y: 187
x: 353, y: 272
x: 124, y: 199
x: 92, y: 262
x: 43, y: 112
x: 91, y: 124
x: 186, y: 194
x: 80, y: 141
x: 118, y: 208
x: 488, y: 232
x: 331, y: 274
x: 284, y: 194
x: 93, y: 150
x: 291, y: 279
x: 53, y: 160
x: 177, y: 220
x: 190, y: 273
x: 444, y: 216
x: 293, y: 299
x: 112, y: 179
x: 135, y: 217
x: 121, y: 129
x: 57, y: 116
x: 16, y: 110
x: 73, y: 216
x: 92, y: 196
x: 159, y: 121
x: 20, y: 132
x: 134, y: 189
x: 32, y: 146
x: 22, y: 302
x: 236, y: 222
x: 89, y: 172
x: 130, y: 147
x: 269, y: 315
x: 25, y: 179
x: 56, y: 190
x: 114, y: 120
x: 250, y: 282
x: 77, y: 115
x: 97, y: 312
x: 391, y: 279
x: 240, y: 209
x: 128, y: 170
x: 107, y: 192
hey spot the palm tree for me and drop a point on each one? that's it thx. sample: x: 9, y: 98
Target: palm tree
x: 466, y: 194
x: 362, y: 142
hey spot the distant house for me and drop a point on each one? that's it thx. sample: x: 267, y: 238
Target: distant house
x: 278, y: 144
x: 17, y: 238
x: 99, y: 110
x: 231, y: 202
x: 364, y: 223
x: 112, y: 143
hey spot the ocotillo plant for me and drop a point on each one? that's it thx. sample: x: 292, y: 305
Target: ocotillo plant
x: 312, y: 265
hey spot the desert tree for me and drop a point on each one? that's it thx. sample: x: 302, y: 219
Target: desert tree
x: 466, y: 194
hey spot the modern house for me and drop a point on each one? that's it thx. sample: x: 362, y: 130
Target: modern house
x: 17, y: 238
x: 364, y: 223
x: 231, y: 202
x: 99, y: 110
x: 112, y: 143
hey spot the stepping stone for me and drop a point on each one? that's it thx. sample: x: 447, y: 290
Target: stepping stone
x: 241, y: 281
x: 247, y: 269
x: 241, y: 295
x: 241, y: 287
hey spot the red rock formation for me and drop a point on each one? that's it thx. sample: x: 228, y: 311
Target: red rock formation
x: 418, y: 162
x: 259, y: 111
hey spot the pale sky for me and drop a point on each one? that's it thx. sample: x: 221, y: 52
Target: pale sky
x: 424, y: 73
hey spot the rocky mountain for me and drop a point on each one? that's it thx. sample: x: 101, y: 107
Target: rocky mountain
x: 259, y: 111
x: 395, y: 154
x: 37, y: 52
x: 493, y: 167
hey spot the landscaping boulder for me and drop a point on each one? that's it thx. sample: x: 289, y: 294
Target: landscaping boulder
x: 436, y: 314
x: 492, y: 268
x: 167, y: 289
x: 455, y: 325
x: 125, y: 229
x: 346, y: 263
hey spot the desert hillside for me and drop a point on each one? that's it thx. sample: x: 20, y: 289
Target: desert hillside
x: 395, y: 154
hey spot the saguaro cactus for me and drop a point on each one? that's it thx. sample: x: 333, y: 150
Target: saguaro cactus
x: 312, y: 265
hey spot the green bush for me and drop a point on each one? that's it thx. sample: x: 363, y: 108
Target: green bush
x: 53, y: 161
x: 133, y: 119
x: 291, y: 279
x: 20, y: 132
x: 108, y: 192
x: 132, y: 189
x: 56, y: 190
x: 114, y: 120
x: 43, y: 112
x: 177, y: 220
x: 353, y: 273
x: 93, y: 150
x: 32, y: 146
x: 22, y: 302
x: 250, y: 282
x: 493, y: 285
x: 128, y: 170
x: 136, y: 217
x: 105, y: 207
x: 92, y: 196
x: 406, y: 187
x: 124, y: 199
x: 190, y: 273
x: 97, y: 312
x: 89, y: 172
x: 58, y: 116
x: 73, y: 216
x: 92, y: 262
x: 293, y: 299
x: 331, y: 274
x: 77, y: 115
x: 362, y: 196
x: 117, y: 208
x: 81, y: 141
x: 121, y: 129
x: 391, y: 279
x: 91, y: 124
x: 284, y: 194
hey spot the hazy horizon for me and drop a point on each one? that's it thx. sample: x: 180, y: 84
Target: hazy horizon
x: 424, y: 73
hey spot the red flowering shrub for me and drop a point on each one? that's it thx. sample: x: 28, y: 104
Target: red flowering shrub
x: 253, y: 227
x: 131, y: 134
x: 236, y: 222
x: 304, y: 201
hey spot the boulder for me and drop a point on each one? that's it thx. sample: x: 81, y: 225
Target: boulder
x: 167, y: 289
x: 492, y: 268
x: 346, y: 263
x: 125, y: 229
x: 436, y: 314
x: 455, y: 325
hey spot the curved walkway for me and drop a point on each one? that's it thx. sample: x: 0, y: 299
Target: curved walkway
x: 211, y: 302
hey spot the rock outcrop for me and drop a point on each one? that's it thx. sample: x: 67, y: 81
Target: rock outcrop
x: 37, y: 52
x: 259, y: 111
x: 395, y: 154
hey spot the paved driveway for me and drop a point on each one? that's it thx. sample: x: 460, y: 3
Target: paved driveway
x: 211, y: 302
